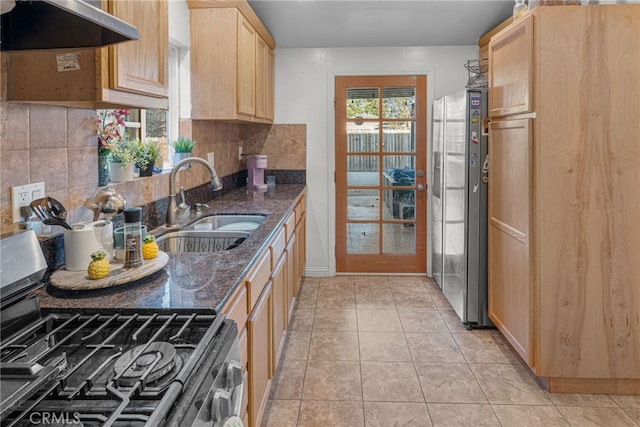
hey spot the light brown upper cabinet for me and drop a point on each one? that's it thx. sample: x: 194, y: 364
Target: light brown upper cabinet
x: 231, y: 63
x: 130, y: 74
x: 511, y: 70
x: 564, y: 171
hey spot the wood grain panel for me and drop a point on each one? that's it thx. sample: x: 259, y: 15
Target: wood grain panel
x: 258, y: 278
x: 259, y: 327
x: 589, y: 170
x: 246, y: 67
x: 261, y: 62
x: 141, y: 66
x: 511, y: 70
x: 510, y: 289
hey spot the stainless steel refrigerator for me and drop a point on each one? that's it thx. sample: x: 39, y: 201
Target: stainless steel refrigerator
x: 459, y: 203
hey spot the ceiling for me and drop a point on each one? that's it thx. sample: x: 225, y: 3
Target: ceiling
x: 378, y: 23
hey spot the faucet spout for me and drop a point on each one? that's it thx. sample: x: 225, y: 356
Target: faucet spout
x: 172, y: 210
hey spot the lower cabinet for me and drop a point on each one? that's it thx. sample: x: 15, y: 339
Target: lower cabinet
x: 262, y: 307
x: 259, y: 327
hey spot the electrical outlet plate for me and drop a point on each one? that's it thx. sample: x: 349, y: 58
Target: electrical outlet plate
x: 211, y: 158
x: 22, y: 195
x: 240, y: 153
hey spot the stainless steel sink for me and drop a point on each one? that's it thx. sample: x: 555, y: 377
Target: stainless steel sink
x: 227, y: 223
x: 201, y: 240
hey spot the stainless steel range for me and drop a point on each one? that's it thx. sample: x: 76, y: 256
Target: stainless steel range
x: 108, y: 367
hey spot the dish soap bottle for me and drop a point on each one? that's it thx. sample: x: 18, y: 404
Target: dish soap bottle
x: 519, y: 9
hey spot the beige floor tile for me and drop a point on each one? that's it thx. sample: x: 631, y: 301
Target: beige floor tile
x: 431, y: 284
x: 289, y: 379
x: 336, y: 296
x: 433, y: 347
x: 308, y: 295
x: 279, y: 413
x: 383, y: 347
x: 407, y: 282
x: 334, y: 345
x: 330, y: 414
x: 508, y: 384
x: 449, y: 383
x: 336, y: 280
x: 421, y: 320
x: 634, y: 414
x: 462, y: 415
x: 440, y: 300
x: 484, y: 347
x: 593, y: 400
x: 378, y: 320
x: 332, y: 380
x: 385, y: 414
x: 453, y: 322
x: 371, y: 281
x: 374, y: 297
x: 390, y: 382
x: 336, y: 319
x: 297, y: 345
x: 302, y: 319
x: 412, y: 298
x: 596, y: 417
x: 529, y: 416
x: 623, y: 401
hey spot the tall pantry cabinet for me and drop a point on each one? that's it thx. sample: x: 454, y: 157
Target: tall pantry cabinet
x: 564, y: 194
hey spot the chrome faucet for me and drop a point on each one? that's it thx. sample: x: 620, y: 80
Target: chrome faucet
x: 174, y: 211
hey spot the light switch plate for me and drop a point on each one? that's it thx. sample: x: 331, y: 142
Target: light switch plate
x: 211, y: 158
x: 22, y: 195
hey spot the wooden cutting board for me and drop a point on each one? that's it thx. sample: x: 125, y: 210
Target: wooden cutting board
x: 78, y: 280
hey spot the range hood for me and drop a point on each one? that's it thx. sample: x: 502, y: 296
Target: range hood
x: 60, y: 24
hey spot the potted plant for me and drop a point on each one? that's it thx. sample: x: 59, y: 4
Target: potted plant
x: 182, y: 148
x: 146, y: 154
x: 121, y: 160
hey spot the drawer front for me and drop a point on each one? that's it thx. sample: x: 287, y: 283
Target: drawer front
x: 258, y: 278
x: 277, y: 247
x: 300, y: 208
x: 290, y: 226
x: 238, y: 309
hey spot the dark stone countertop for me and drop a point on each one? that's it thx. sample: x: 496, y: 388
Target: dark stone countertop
x: 191, y: 281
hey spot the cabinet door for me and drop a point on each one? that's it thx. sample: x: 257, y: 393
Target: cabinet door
x: 261, y: 77
x: 270, y: 78
x: 246, y: 67
x: 280, y: 310
x: 291, y: 277
x: 510, y: 192
x: 259, y: 327
x: 511, y: 70
x: 141, y: 66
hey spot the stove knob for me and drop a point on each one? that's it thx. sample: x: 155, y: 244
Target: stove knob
x: 234, y: 374
x: 221, y: 406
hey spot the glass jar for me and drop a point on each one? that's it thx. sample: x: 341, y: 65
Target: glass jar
x: 519, y: 9
x: 132, y: 237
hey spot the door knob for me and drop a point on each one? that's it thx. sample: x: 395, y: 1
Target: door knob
x: 420, y: 187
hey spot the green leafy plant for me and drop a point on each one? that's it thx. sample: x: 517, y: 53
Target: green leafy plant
x: 183, y: 145
x: 123, y: 151
x: 146, y: 153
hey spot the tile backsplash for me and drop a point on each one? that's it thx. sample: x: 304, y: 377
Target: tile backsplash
x: 58, y: 145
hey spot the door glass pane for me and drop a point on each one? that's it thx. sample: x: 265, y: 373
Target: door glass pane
x: 363, y: 102
x: 398, y: 137
x: 363, y: 171
x: 398, y: 204
x: 363, y: 204
x: 363, y: 238
x: 363, y: 138
x: 398, y: 239
x: 398, y: 102
x: 399, y: 169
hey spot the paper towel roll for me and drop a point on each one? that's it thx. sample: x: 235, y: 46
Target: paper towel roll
x: 85, y: 239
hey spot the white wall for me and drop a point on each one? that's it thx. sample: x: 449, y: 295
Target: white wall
x: 179, y: 37
x: 304, y: 91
